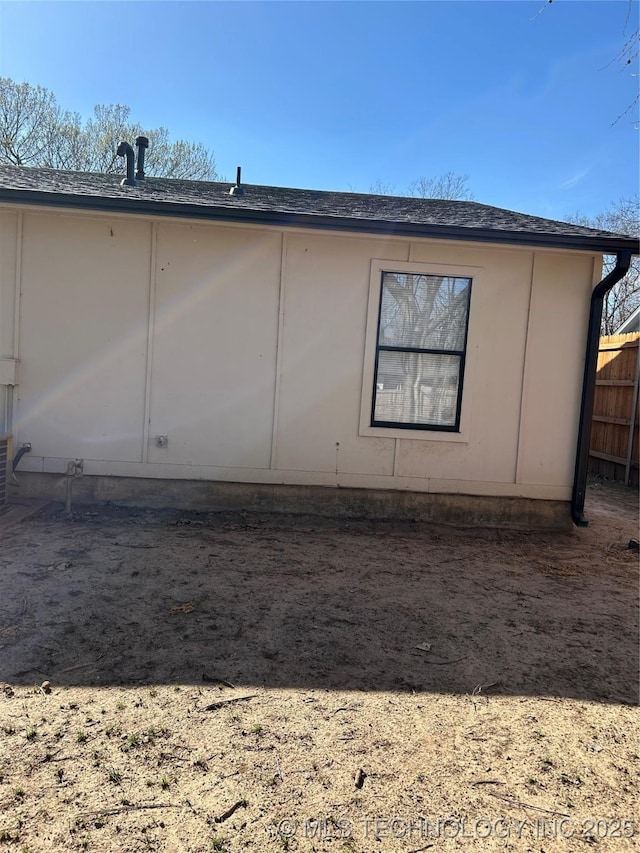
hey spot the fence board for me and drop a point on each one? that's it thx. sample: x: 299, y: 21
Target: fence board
x: 613, y: 416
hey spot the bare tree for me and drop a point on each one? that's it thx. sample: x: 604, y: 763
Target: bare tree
x: 380, y: 187
x: 623, y: 217
x: 627, y: 55
x: 27, y: 114
x: 446, y: 186
x: 35, y: 131
x: 449, y: 186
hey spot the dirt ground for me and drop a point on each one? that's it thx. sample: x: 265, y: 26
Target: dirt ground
x: 273, y: 683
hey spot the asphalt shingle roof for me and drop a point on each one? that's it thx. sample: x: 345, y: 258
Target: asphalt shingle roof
x: 466, y: 220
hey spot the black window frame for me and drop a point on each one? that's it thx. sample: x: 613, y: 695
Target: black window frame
x: 461, y: 354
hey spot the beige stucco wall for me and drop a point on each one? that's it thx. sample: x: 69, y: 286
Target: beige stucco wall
x: 248, y: 347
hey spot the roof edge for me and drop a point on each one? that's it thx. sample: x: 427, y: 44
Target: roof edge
x: 607, y: 245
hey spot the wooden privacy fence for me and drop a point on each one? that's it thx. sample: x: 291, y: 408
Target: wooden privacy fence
x: 613, y: 451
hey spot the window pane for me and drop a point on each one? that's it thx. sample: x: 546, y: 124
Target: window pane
x: 417, y: 388
x: 423, y: 311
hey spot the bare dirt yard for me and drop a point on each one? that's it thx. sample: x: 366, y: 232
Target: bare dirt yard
x: 273, y: 683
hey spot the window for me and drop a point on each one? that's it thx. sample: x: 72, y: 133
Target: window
x: 420, y: 351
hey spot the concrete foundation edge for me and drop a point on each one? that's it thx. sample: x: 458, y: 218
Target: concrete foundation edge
x: 215, y: 496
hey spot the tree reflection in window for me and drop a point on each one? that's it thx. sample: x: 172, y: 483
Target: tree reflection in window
x: 420, y: 352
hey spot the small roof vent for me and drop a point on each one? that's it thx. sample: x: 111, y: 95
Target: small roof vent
x: 238, y: 189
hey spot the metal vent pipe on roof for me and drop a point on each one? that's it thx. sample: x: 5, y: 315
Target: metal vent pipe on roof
x: 125, y: 150
x: 238, y: 189
x: 142, y: 143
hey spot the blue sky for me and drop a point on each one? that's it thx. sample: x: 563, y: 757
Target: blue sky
x: 337, y: 95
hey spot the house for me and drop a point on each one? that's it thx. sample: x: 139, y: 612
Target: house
x: 216, y: 345
x: 631, y: 324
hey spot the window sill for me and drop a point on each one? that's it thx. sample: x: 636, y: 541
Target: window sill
x: 420, y: 434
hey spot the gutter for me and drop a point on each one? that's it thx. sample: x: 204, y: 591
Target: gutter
x: 185, y: 210
x: 623, y: 262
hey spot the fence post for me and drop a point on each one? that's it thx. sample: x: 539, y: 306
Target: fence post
x: 632, y: 425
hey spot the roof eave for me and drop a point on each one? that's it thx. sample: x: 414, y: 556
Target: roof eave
x: 306, y: 220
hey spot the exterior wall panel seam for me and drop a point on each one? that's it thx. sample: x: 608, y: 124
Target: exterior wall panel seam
x: 146, y: 425
x: 17, y: 302
x: 516, y: 473
x: 279, y: 345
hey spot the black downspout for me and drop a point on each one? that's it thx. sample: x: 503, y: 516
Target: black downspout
x: 623, y: 262
x: 125, y: 150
